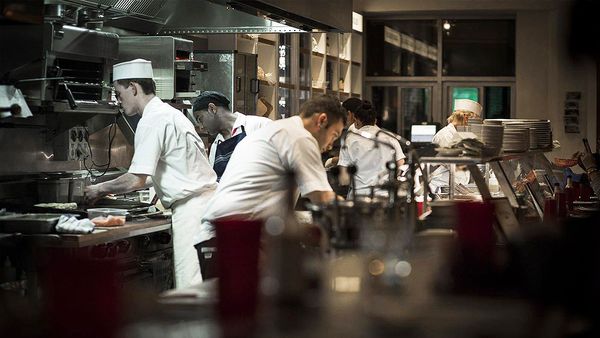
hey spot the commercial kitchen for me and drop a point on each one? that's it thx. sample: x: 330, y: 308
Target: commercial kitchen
x: 357, y: 168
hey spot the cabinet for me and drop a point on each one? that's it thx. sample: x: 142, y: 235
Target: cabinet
x: 293, y: 67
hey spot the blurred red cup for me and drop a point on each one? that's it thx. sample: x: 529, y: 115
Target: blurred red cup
x: 475, y: 229
x: 419, y: 208
x: 238, y: 243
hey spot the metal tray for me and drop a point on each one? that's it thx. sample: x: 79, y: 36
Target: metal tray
x: 29, y: 223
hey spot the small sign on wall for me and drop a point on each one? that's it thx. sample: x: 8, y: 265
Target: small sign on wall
x: 572, y: 112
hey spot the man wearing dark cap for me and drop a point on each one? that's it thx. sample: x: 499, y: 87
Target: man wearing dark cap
x: 211, y: 109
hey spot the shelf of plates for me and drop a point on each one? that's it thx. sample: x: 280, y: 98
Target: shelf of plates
x: 293, y: 67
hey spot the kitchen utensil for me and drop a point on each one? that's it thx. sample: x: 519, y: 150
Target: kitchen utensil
x: 29, y: 223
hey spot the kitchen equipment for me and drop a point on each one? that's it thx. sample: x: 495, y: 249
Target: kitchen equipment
x: 176, y: 71
x: 343, y: 221
x: 234, y: 75
x: 105, y: 212
x: 53, y: 190
x: 60, y: 68
x: 29, y: 223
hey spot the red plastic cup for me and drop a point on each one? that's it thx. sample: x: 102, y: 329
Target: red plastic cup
x: 475, y: 229
x: 419, y: 208
x: 238, y: 243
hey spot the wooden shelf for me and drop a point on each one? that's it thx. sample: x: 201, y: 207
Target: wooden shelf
x: 356, y: 63
x: 318, y: 54
x: 322, y: 90
x: 344, y: 61
x: 265, y: 83
x: 304, y: 88
x: 332, y: 57
x: 286, y: 85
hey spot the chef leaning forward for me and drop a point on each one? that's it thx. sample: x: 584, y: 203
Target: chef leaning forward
x: 167, y: 149
x: 254, y: 184
x: 448, y: 136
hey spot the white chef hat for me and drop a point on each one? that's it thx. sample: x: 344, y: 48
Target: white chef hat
x: 468, y: 105
x: 134, y: 69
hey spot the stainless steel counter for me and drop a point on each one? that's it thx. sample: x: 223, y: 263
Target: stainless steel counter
x: 100, y: 235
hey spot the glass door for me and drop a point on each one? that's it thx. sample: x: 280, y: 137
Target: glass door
x: 400, y: 106
x: 497, y: 98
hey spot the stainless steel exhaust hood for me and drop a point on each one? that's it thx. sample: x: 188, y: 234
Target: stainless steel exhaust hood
x: 264, y: 16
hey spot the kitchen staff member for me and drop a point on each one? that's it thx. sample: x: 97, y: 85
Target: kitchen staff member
x: 351, y: 105
x: 448, y: 136
x: 212, y: 110
x: 254, y: 185
x: 167, y: 149
x: 369, y: 159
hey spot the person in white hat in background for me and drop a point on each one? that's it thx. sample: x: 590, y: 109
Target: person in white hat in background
x: 168, y: 150
x: 464, y: 109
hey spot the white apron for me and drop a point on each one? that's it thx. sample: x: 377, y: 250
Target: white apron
x: 186, y: 219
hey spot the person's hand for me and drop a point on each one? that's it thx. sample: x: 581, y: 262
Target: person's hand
x: 92, y: 194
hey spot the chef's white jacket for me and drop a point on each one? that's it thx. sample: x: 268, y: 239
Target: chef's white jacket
x: 168, y: 148
x: 445, y: 138
x: 369, y: 159
x: 254, y: 183
x: 251, y: 124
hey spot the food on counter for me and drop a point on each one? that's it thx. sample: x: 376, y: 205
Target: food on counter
x: 62, y: 206
x: 110, y: 221
x: 565, y: 162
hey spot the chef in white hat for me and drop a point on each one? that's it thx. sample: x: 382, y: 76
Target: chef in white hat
x: 464, y: 109
x: 169, y: 151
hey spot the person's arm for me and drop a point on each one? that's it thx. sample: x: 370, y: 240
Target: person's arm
x: 303, y: 158
x: 590, y: 165
x: 319, y: 197
x: 123, y: 184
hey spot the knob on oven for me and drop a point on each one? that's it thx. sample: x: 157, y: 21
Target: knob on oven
x: 145, y: 241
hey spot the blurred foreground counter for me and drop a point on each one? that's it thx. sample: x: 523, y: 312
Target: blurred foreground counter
x: 138, y: 252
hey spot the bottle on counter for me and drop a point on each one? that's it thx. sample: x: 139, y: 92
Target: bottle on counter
x: 569, y: 193
x: 561, y: 201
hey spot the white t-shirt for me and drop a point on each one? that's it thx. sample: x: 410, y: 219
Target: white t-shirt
x: 254, y: 185
x: 369, y: 160
x: 168, y: 148
x: 251, y: 124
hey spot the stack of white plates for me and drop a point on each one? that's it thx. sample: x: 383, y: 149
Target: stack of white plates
x: 515, y: 140
x: 540, y: 130
x: 491, y: 135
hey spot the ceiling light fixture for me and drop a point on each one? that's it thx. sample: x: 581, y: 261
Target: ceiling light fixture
x: 446, y: 25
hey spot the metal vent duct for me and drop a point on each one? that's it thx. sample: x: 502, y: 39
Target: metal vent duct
x: 266, y: 16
